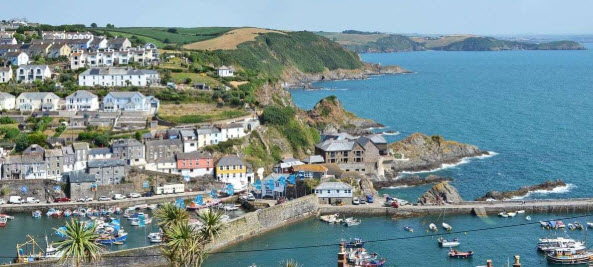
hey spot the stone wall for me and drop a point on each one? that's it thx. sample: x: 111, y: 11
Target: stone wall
x: 84, y: 190
x: 42, y: 189
x: 260, y: 221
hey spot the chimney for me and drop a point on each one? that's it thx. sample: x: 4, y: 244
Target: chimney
x: 342, y: 256
x: 489, y: 263
x: 517, y: 261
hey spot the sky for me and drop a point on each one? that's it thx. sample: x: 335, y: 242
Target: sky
x: 394, y: 16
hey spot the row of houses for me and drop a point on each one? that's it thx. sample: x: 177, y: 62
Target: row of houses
x: 80, y: 100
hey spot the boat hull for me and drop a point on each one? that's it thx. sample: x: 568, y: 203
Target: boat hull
x: 112, y: 240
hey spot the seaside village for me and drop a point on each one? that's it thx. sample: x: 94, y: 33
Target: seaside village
x: 145, y: 160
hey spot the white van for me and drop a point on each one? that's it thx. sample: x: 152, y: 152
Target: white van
x: 15, y: 200
x: 119, y: 197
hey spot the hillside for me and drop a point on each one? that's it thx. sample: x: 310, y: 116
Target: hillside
x: 173, y: 35
x: 385, y: 43
x: 229, y: 40
x: 329, y: 114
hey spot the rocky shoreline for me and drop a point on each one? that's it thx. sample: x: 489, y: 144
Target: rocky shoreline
x: 521, y: 192
x: 411, y: 181
x: 419, y: 152
x: 298, y: 79
x: 440, y: 194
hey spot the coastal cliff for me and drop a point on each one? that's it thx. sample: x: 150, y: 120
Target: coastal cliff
x: 439, y: 194
x: 329, y: 115
x: 523, y: 191
x: 295, y: 78
x: 419, y: 152
x: 411, y: 181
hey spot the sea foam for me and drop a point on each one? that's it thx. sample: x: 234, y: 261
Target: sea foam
x: 558, y: 190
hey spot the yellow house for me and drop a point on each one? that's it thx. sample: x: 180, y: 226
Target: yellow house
x: 231, y: 169
x: 58, y: 50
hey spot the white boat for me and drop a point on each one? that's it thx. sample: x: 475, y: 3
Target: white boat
x: 448, y: 243
x: 590, y: 224
x: 230, y: 207
x: 503, y: 214
x: 155, y: 237
x: 350, y: 221
x: 433, y: 227
x: 520, y: 211
x: 544, y: 224
x: 152, y: 206
x: 512, y: 214
x: 551, y: 244
x: 330, y: 218
x: 528, y: 218
x: 447, y: 227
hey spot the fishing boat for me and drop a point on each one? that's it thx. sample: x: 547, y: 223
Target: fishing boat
x: 560, y: 225
x: 447, y: 227
x: 3, y: 221
x: 52, y: 252
x: 120, y: 236
x: 330, y: 218
x: 356, y: 243
x: 460, y: 254
x: 528, y: 218
x: 7, y: 216
x: 36, y: 214
x: 409, y: 229
x: 356, y: 255
x: 444, y: 243
x: 503, y: 214
x: 567, y: 256
x: 351, y: 222
x: 550, y: 244
x: 512, y: 214
x: 155, y: 237
x: 579, y: 226
x: 433, y: 227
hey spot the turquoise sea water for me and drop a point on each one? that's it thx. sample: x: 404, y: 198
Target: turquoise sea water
x: 533, y: 108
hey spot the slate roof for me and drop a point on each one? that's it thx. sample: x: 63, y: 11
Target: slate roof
x: 38, y: 95
x: 230, y: 160
x: 165, y: 160
x: 193, y: 155
x: 336, y: 145
x: 164, y: 142
x: 313, y: 159
x: 231, y: 125
x: 82, y: 94
x: 13, y: 54
x: 208, y: 130
x: 99, y: 151
x: 53, y: 153
x: 80, y: 177
x: 102, y: 163
x: 4, y: 95
x: 333, y: 185
x: 126, y: 143
x: 116, y: 71
x: 20, y: 159
x: 186, y: 133
x: 80, y: 146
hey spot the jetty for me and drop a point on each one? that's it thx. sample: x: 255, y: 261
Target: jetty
x: 479, y: 208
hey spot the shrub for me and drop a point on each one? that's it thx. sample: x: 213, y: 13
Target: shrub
x: 7, y: 120
x: 277, y: 115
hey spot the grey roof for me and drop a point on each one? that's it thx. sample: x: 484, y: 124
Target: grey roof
x: 377, y: 138
x: 185, y: 133
x: 336, y: 145
x: 333, y: 185
x: 314, y: 159
x: 194, y: 155
x: 116, y: 71
x: 231, y: 125
x: 102, y: 163
x: 79, y: 177
x: 146, y: 135
x: 207, y: 130
x: 125, y: 94
x: 99, y: 151
x: 77, y: 41
x: 4, y: 95
x: 80, y: 146
x: 33, y: 149
x: 38, y: 95
x: 275, y: 176
x: 165, y: 160
x: 20, y: 159
x: 164, y: 142
x: 172, y: 132
x: 118, y: 40
x: 53, y: 153
x: 82, y: 94
x: 339, y: 136
x: 68, y: 150
x: 5, y: 69
x: 13, y: 54
x: 230, y: 160
x: 126, y: 142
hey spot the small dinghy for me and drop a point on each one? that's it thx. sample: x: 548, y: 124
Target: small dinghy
x: 447, y: 227
x: 503, y: 214
x: 433, y: 227
x: 560, y: 225
x: 544, y: 224
x: 409, y: 229
x: 579, y: 226
x: 444, y: 243
x: 460, y: 254
x: 520, y: 211
x: 528, y: 218
x: 571, y: 226
x: 350, y: 222
x: 512, y: 214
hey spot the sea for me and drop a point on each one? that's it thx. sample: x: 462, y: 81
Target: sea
x: 532, y: 109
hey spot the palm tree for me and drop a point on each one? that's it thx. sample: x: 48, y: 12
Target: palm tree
x: 212, y: 224
x: 79, y: 244
x: 183, y: 246
x: 169, y: 214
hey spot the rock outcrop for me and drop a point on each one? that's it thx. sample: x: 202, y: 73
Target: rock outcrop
x: 523, y: 191
x: 421, y: 152
x: 329, y: 115
x: 411, y: 181
x: 440, y: 194
x: 295, y: 78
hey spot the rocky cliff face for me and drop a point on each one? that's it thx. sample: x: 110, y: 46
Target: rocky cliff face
x: 294, y: 78
x: 422, y: 152
x: 411, y: 181
x: 523, y: 191
x: 329, y: 115
x: 440, y: 194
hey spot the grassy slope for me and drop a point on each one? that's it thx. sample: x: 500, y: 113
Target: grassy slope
x: 183, y: 35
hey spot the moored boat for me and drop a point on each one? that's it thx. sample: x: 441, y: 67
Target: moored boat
x: 447, y: 227
x: 567, y: 256
x: 3, y: 221
x: 36, y: 214
x: 503, y: 214
x: 409, y: 229
x: 448, y: 243
x: 460, y: 254
x: 560, y: 225
x: 433, y: 227
x: 354, y: 254
x: 351, y: 222
x: 579, y: 226
x: 512, y: 214
x: 120, y: 236
x: 551, y: 244
x: 528, y: 218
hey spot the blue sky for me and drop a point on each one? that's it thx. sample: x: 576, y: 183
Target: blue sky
x: 398, y: 16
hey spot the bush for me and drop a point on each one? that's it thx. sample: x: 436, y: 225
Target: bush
x: 277, y: 115
x: 7, y: 120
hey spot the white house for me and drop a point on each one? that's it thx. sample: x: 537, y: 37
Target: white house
x: 37, y: 101
x: 334, y: 192
x: 8, y: 40
x: 78, y: 60
x: 7, y: 101
x: 125, y: 101
x: 190, y: 140
x: 208, y: 136
x: 117, y: 76
x: 29, y: 73
x: 231, y: 131
x: 17, y: 58
x: 82, y: 100
x: 225, y: 71
x: 5, y: 74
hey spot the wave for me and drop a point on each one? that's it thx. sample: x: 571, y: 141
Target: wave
x: 453, y: 165
x: 558, y: 190
x: 396, y: 187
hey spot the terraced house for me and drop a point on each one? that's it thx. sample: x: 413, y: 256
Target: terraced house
x: 231, y: 169
x: 130, y: 150
x: 5, y: 74
x: 37, y: 101
x: 117, y: 76
x: 30, y: 73
x: 162, y: 148
x: 126, y: 101
x: 82, y: 100
x: 195, y: 164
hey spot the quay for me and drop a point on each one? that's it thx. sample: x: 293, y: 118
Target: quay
x: 479, y: 208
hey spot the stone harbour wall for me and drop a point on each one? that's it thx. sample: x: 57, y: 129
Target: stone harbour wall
x: 41, y: 189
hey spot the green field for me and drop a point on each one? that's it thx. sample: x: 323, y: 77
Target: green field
x: 195, y: 78
x: 144, y: 38
x: 183, y: 35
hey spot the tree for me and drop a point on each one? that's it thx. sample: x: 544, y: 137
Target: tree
x: 79, y: 244
x: 109, y: 25
x: 93, y: 25
x: 21, y: 142
x: 172, y: 30
x: 212, y: 224
x: 183, y: 246
x: 169, y: 214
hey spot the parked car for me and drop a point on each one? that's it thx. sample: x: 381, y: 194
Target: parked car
x: 118, y: 197
x: 1, y: 201
x: 362, y: 200
x: 134, y: 195
x: 85, y: 199
x: 62, y: 199
x: 148, y: 194
x: 104, y: 198
x: 32, y: 200
x: 355, y: 201
x: 15, y: 200
x: 250, y: 197
x: 370, y: 199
